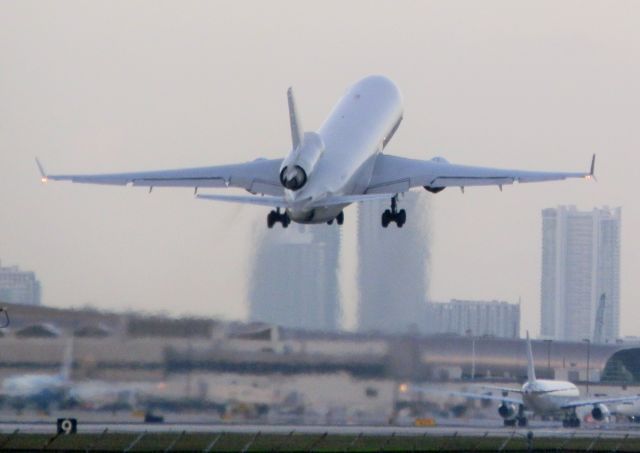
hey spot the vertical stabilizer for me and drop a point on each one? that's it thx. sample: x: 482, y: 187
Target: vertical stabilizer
x: 294, y: 119
x: 531, y: 369
x: 67, y: 361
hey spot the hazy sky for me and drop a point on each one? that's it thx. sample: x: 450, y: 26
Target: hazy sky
x: 115, y: 86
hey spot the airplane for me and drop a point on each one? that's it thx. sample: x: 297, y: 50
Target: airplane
x: 543, y: 397
x: 40, y: 389
x: 327, y: 170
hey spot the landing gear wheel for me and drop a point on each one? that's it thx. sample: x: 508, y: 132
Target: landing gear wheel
x: 522, y: 421
x: 401, y: 218
x: 386, y: 218
x: 277, y: 216
x: 271, y: 219
x: 330, y: 222
x: 393, y: 215
x: 340, y: 218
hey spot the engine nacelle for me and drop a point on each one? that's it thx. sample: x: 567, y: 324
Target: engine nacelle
x: 600, y: 412
x: 507, y: 411
x: 297, y: 167
x: 434, y: 189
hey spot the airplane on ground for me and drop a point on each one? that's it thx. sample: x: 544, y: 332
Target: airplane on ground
x: 542, y: 397
x: 43, y: 390
x: 39, y: 389
x: 340, y: 164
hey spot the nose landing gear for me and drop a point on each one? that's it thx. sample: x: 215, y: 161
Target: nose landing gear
x: 339, y: 219
x: 277, y: 216
x: 393, y: 215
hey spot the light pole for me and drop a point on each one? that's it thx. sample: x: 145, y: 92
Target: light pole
x: 469, y: 333
x: 588, y: 341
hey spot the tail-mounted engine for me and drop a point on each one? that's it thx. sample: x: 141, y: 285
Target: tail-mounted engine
x: 297, y: 167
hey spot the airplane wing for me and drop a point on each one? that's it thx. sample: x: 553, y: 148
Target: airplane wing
x: 487, y: 397
x: 259, y: 176
x: 477, y: 396
x: 502, y: 389
x: 394, y: 174
x: 591, y: 402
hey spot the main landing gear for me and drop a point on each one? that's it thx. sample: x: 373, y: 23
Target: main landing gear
x: 277, y: 216
x: 393, y: 215
x: 339, y: 219
x: 572, y: 421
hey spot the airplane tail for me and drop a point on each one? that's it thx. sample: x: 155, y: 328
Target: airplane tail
x: 531, y: 370
x: 67, y: 361
x: 297, y: 132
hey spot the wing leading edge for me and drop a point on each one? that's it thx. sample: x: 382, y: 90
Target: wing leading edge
x: 394, y: 174
x: 259, y: 176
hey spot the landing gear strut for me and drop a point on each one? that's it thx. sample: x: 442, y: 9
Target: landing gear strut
x: 339, y: 219
x: 393, y: 215
x: 277, y: 216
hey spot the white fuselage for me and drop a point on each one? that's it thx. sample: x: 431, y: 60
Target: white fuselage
x: 548, y: 396
x: 356, y: 131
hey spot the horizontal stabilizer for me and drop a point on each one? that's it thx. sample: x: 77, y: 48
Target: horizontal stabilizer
x: 275, y: 202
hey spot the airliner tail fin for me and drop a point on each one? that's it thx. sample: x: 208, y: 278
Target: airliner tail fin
x: 297, y: 131
x: 531, y: 370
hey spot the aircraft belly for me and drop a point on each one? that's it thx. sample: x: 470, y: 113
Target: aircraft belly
x: 355, y: 131
x: 316, y: 215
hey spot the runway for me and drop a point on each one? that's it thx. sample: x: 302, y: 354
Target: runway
x: 541, y: 429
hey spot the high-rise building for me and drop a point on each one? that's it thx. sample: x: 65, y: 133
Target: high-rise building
x: 580, y: 262
x: 392, y: 266
x: 294, y: 279
x: 19, y: 287
x: 477, y: 318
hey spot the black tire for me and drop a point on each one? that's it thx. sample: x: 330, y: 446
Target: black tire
x: 386, y: 218
x: 402, y: 217
x: 330, y: 222
x: 340, y: 218
x: 522, y: 421
x: 271, y: 219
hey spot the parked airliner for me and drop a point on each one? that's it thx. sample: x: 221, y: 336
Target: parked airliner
x: 339, y: 164
x: 542, y: 397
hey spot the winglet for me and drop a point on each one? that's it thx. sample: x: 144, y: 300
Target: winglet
x: 531, y: 370
x: 43, y: 174
x: 294, y: 120
x: 592, y: 171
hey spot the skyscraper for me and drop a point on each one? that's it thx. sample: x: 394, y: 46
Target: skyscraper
x: 294, y: 279
x: 19, y: 287
x: 392, y: 266
x: 580, y: 262
x: 477, y: 318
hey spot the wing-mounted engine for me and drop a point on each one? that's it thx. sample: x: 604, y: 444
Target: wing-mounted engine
x: 297, y: 167
x: 437, y: 160
x: 507, y: 411
x: 600, y: 412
